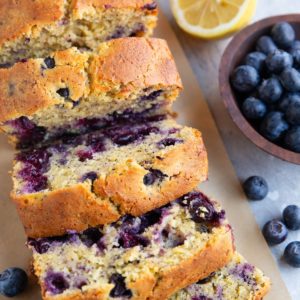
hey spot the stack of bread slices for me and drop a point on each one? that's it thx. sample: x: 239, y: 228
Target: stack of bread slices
x: 105, y: 180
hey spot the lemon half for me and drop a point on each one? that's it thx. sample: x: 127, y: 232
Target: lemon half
x: 212, y: 18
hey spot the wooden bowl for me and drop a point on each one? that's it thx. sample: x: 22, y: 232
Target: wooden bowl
x: 240, y: 45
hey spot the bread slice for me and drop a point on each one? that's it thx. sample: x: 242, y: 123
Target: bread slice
x: 238, y: 280
x: 71, y: 92
x: 36, y: 28
x: 132, y: 167
x: 147, y: 257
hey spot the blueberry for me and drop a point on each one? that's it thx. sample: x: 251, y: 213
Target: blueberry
x: 291, y: 217
x: 153, y: 176
x: 293, y: 113
x: 63, y: 92
x: 168, y: 142
x: 292, y: 254
x: 288, y: 99
x: 275, y: 232
x: 283, y: 34
x: 292, y: 139
x: 256, y: 60
x: 278, y: 60
x: 245, y: 78
x: 13, y: 281
x: 296, y: 56
x: 120, y: 289
x: 256, y: 188
x: 295, y: 45
x: 254, y: 108
x: 266, y: 45
x: 91, y: 236
x: 56, y: 283
x: 274, y: 126
x: 270, y: 90
x: 290, y: 79
x: 89, y: 176
x: 49, y: 62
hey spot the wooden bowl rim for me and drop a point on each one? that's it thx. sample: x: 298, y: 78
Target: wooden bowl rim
x: 229, y: 99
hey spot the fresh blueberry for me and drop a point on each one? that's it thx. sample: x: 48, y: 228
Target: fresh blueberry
x: 295, y: 45
x: 270, y: 90
x: 256, y: 188
x: 293, y: 113
x: 275, y: 232
x: 266, y: 45
x: 288, y: 99
x: 290, y: 79
x: 245, y: 78
x: 120, y: 289
x: 63, y: 92
x: 274, y: 126
x: 254, y: 108
x: 292, y: 254
x: 283, y: 34
x: 296, y: 57
x: 49, y: 62
x: 292, y: 139
x: 278, y: 60
x: 256, y: 60
x: 13, y: 281
x: 291, y: 217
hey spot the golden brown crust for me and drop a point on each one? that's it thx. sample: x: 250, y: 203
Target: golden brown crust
x: 19, y: 17
x: 26, y: 17
x: 264, y: 291
x: 121, y: 192
x: 26, y: 89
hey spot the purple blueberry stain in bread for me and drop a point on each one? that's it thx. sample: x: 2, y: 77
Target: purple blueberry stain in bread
x: 118, y: 33
x: 154, y: 176
x: 80, y: 282
x: 150, y: 6
x: 89, y: 176
x: 120, y: 290
x: 152, y: 96
x: 84, y: 155
x: 169, y: 142
x: 137, y: 30
x: 91, y: 236
x: 96, y: 142
x: 130, y: 240
x: 171, y: 239
x: 245, y: 272
x: 56, y: 283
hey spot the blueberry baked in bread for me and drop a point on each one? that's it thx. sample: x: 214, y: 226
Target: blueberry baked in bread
x: 72, y: 92
x: 146, y: 257
x: 37, y: 28
x: 135, y: 165
x: 238, y: 280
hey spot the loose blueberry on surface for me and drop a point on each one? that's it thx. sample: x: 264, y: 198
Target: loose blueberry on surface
x: 266, y: 45
x: 290, y: 79
x: 63, y: 92
x: 13, y: 281
x: 275, y: 232
x: 283, y: 34
x: 278, y: 60
x: 288, y: 99
x: 274, y: 126
x: 245, y: 78
x: 296, y: 57
x: 254, y: 108
x: 292, y: 139
x: 292, y: 254
x: 56, y: 283
x: 291, y: 217
x: 49, y: 62
x: 292, y: 113
x: 256, y: 188
x: 270, y: 90
x: 120, y: 289
x: 295, y: 45
x: 256, y: 60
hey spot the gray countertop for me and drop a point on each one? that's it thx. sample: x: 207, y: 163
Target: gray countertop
x: 283, y: 177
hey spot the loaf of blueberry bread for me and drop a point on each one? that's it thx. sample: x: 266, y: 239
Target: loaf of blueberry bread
x: 147, y: 257
x: 238, y: 280
x: 36, y: 28
x: 71, y: 92
x: 133, y: 166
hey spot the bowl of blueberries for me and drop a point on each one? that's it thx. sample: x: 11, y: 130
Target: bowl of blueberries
x: 259, y: 81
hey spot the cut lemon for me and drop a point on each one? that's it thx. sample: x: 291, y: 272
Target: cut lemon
x: 212, y: 18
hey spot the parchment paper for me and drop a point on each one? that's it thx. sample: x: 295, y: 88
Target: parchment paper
x: 222, y: 185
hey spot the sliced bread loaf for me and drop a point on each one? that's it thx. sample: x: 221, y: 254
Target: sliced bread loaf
x: 37, y: 28
x: 238, y: 280
x: 71, y: 92
x: 131, y: 167
x: 147, y: 257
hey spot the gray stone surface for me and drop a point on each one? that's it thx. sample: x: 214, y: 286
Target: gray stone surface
x: 283, y: 177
